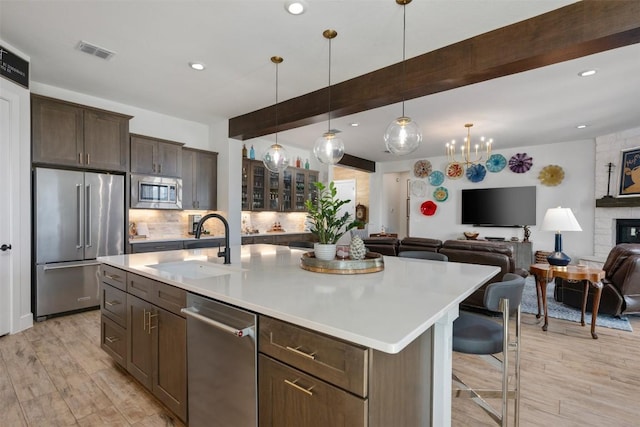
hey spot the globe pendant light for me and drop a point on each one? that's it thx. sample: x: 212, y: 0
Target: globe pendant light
x: 403, y: 135
x: 276, y: 158
x: 329, y: 148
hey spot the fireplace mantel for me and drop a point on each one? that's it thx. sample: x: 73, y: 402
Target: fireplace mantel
x: 618, y: 202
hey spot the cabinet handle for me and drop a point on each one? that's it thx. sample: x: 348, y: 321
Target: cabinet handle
x: 88, y: 158
x: 112, y: 277
x: 299, y: 352
x: 160, y: 168
x: 111, y: 340
x: 80, y: 158
x: 112, y: 303
x: 297, y: 387
x: 153, y: 167
x: 149, y: 321
x: 144, y: 319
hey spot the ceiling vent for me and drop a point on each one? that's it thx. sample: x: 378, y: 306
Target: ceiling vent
x: 94, y: 50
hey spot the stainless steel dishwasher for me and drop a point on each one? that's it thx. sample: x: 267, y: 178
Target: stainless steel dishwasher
x: 221, y: 356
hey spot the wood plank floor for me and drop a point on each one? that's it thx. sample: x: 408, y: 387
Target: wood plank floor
x: 55, y: 374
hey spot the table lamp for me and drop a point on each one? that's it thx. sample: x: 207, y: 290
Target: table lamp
x: 559, y: 219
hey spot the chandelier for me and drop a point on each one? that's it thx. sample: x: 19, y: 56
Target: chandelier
x: 469, y: 158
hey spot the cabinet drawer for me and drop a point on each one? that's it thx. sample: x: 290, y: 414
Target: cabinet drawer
x: 288, y: 397
x: 113, y: 303
x: 140, y: 286
x: 169, y: 297
x: 113, y: 340
x: 113, y: 276
x: 333, y: 360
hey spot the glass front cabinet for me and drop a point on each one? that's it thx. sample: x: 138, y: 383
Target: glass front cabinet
x: 263, y: 190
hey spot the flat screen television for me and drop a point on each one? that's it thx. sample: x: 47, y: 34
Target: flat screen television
x: 499, y: 207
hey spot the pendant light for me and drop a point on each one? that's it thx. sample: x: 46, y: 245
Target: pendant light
x: 403, y: 135
x: 276, y: 158
x: 329, y: 148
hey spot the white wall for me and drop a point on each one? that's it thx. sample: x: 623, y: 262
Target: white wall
x: 608, y: 150
x: 576, y: 192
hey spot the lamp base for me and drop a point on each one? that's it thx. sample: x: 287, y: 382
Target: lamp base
x: 558, y: 259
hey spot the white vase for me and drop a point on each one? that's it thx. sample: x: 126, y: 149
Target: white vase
x: 324, y: 252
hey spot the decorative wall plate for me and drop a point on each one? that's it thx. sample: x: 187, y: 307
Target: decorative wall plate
x: 418, y: 188
x: 428, y: 208
x: 476, y: 173
x: 436, y: 178
x: 422, y: 168
x: 520, y: 163
x: 454, y: 170
x: 551, y: 175
x: 440, y: 194
x: 496, y: 163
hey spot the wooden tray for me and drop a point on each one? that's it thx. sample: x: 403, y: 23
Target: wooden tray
x: 372, y: 263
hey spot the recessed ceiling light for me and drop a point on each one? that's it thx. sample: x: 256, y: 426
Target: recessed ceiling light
x: 587, y: 73
x: 198, y: 66
x: 354, y: 124
x: 581, y: 126
x: 295, y: 7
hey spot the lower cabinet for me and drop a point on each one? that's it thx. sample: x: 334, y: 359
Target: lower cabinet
x: 146, y: 335
x: 288, y: 397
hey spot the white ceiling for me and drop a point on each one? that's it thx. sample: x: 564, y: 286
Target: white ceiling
x: 154, y: 41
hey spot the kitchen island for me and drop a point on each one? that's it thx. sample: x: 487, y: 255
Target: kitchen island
x: 400, y: 316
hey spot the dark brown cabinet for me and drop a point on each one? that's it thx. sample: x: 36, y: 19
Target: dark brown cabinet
x: 154, y: 156
x: 144, y: 331
x: 289, y: 397
x: 68, y: 134
x: 263, y: 190
x: 199, y: 179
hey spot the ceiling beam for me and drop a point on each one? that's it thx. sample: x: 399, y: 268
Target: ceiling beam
x: 579, y: 29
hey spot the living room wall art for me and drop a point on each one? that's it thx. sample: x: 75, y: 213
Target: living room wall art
x: 551, y: 175
x: 520, y: 163
x: 630, y: 172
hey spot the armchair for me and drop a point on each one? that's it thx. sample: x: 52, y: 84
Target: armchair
x: 621, y: 286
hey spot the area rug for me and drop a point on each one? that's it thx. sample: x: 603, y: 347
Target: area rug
x: 561, y: 311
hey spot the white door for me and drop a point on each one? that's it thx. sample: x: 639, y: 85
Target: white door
x: 5, y: 217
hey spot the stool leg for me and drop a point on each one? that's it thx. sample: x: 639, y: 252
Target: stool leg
x: 504, y: 306
x: 517, y: 374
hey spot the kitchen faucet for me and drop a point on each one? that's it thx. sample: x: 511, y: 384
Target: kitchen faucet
x: 227, y: 251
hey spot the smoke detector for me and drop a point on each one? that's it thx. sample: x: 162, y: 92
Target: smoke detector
x: 94, y: 50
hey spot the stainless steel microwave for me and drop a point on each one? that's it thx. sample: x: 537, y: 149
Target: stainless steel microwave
x: 156, y: 192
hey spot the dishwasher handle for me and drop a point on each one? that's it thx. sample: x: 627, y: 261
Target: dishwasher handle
x: 248, y: 331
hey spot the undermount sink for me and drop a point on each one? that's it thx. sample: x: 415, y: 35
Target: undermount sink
x: 193, y: 269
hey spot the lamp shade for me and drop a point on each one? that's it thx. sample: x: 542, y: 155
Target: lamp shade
x: 560, y: 219
x: 329, y: 149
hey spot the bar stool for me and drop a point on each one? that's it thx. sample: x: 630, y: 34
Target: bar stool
x: 479, y: 334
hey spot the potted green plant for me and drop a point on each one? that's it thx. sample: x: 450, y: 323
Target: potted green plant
x: 325, y: 222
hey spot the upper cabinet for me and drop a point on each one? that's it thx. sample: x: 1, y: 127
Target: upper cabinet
x: 154, y: 156
x: 263, y: 190
x: 68, y: 134
x: 199, y: 179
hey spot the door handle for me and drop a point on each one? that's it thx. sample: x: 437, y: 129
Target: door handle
x: 5, y: 247
x: 87, y: 220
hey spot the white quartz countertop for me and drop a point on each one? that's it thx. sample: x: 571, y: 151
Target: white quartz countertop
x: 386, y: 310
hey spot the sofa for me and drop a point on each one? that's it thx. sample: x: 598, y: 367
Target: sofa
x: 621, y: 285
x: 484, y: 253
x: 465, y: 251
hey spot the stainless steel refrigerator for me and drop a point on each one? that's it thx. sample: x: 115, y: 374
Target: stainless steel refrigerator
x: 78, y: 216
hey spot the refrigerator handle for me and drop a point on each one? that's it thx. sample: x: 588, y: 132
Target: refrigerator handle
x: 78, y: 216
x: 87, y: 219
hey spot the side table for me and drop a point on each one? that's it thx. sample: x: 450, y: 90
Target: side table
x: 591, y: 276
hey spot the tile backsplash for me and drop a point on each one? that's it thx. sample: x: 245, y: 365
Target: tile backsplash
x: 174, y: 223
